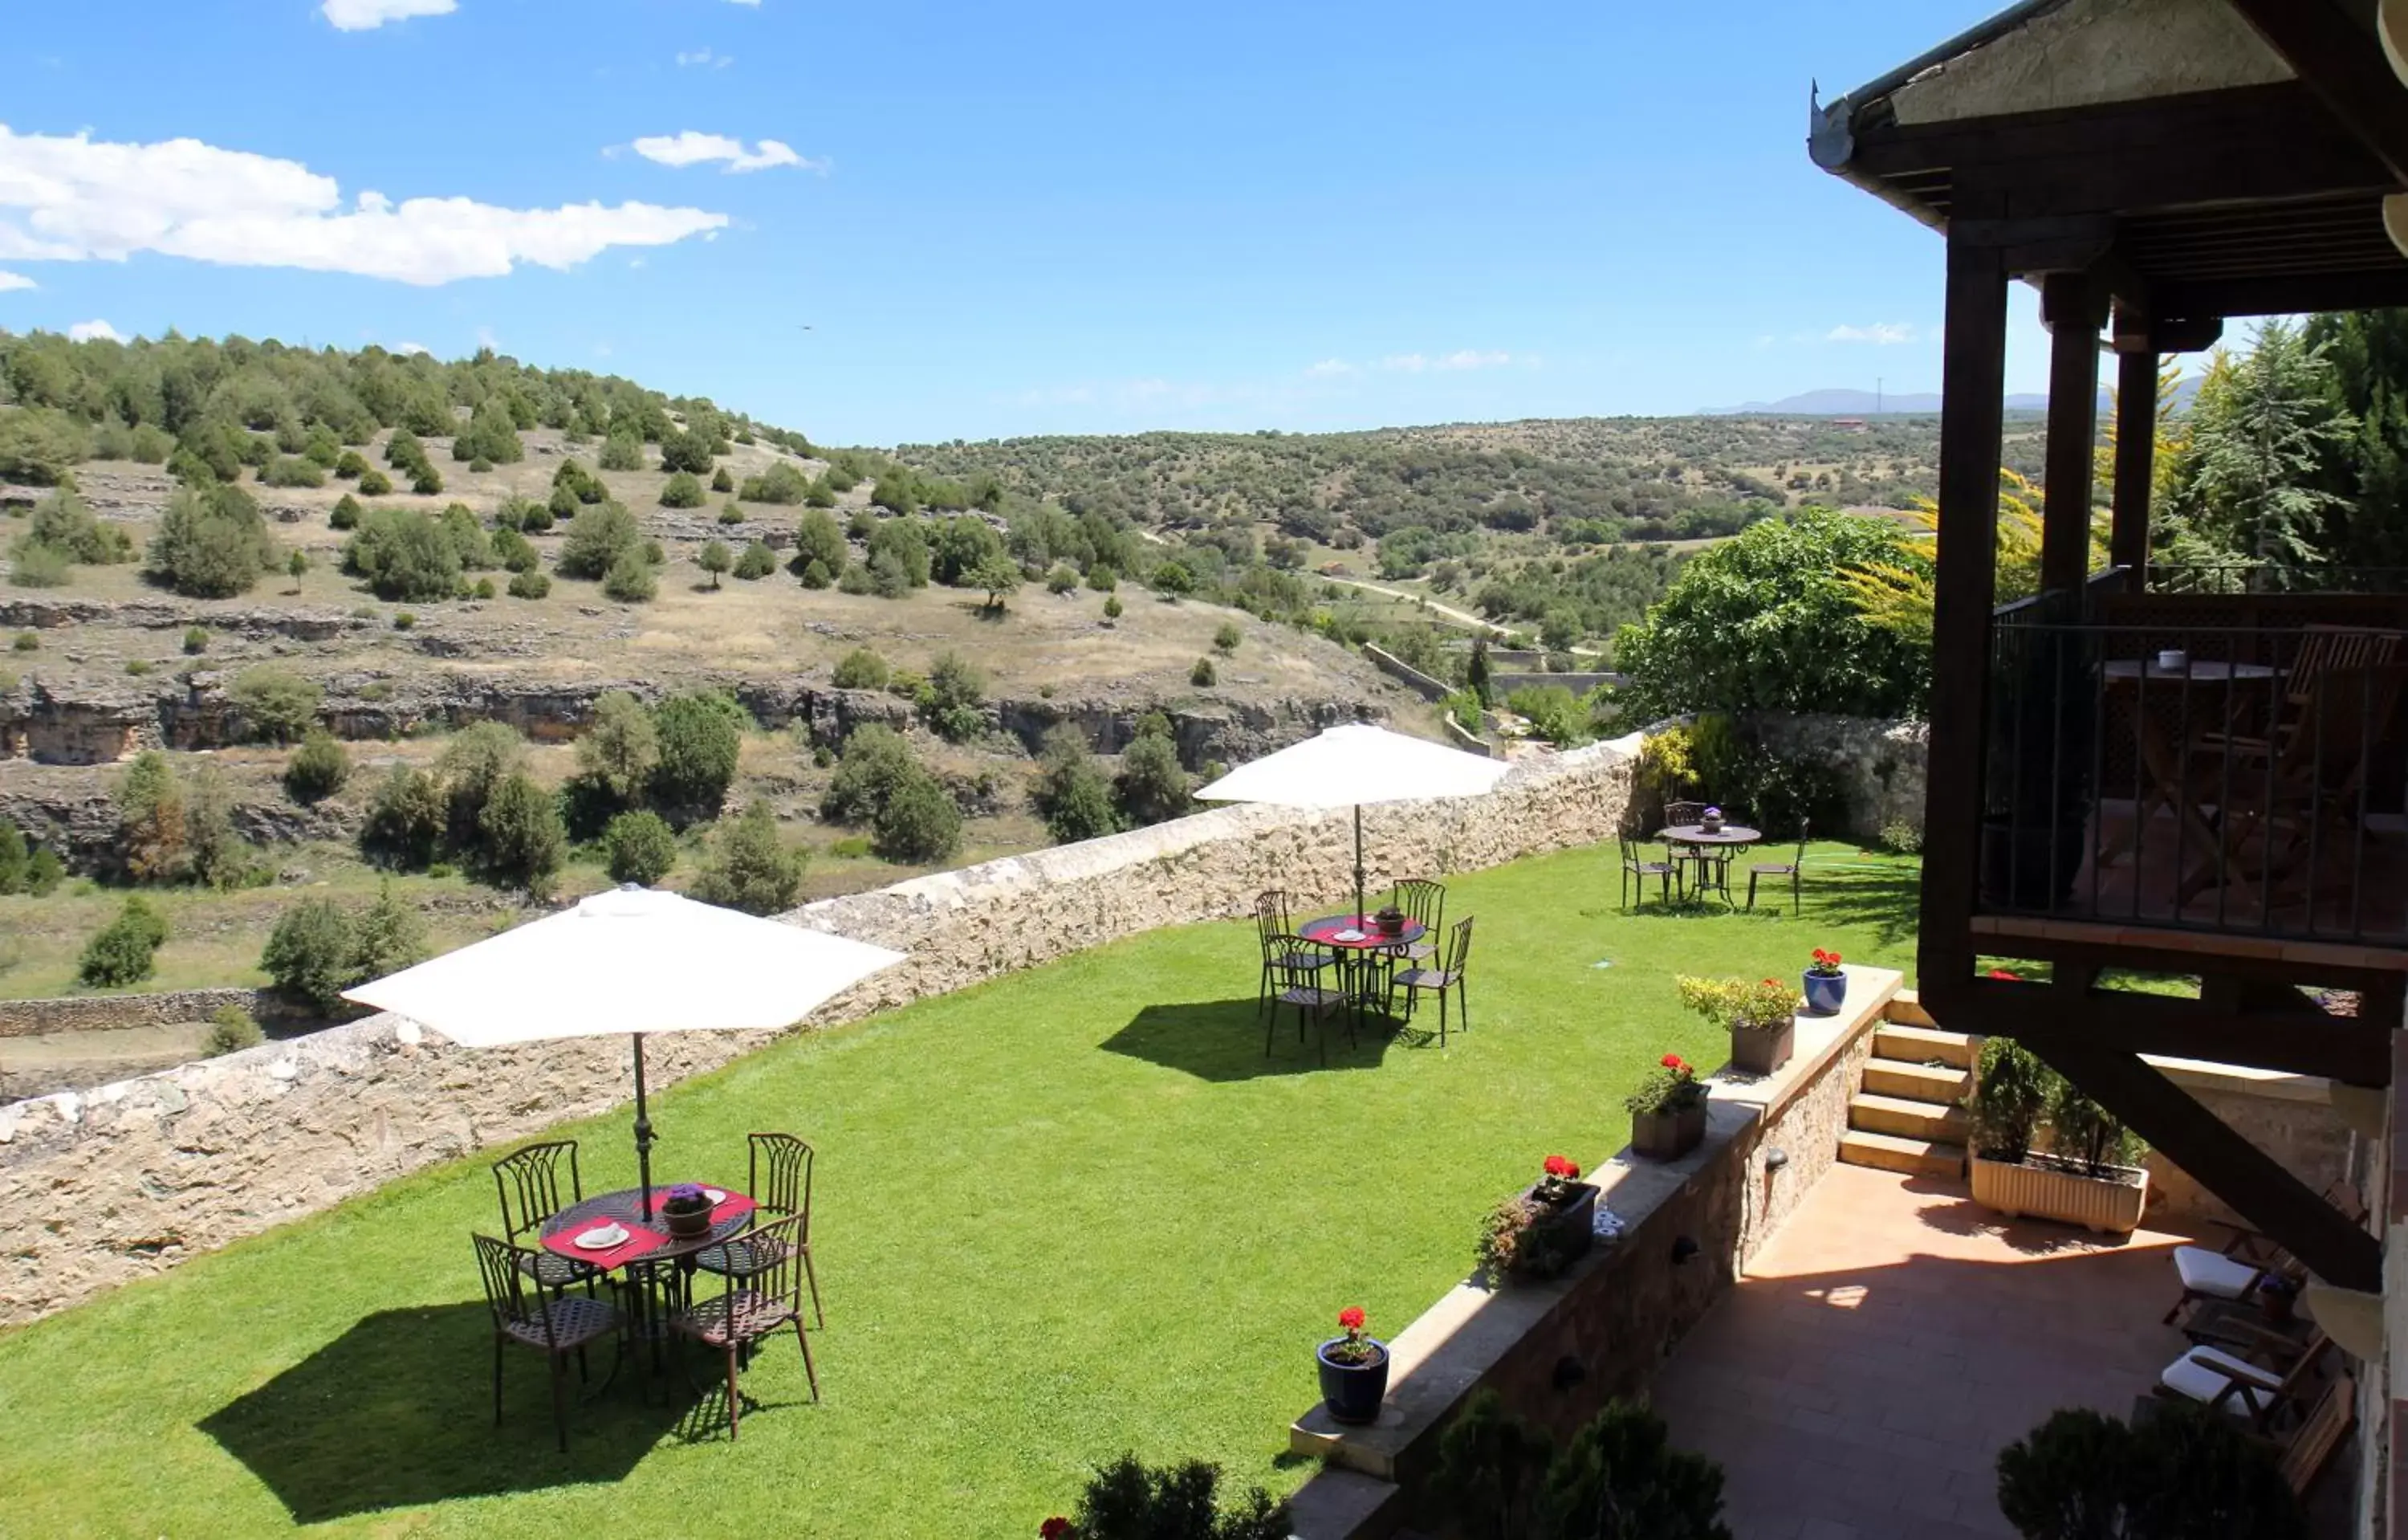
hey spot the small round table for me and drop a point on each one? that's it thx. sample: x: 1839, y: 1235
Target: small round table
x: 626, y: 1207
x: 1699, y: 838
x: 1359, y: 953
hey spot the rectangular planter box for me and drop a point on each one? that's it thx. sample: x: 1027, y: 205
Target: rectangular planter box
x: 1668, y: 1136
x: 1763, y: 1050
x: 2041, y: 1190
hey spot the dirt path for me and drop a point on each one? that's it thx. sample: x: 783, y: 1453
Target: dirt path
x: 1460, y: 617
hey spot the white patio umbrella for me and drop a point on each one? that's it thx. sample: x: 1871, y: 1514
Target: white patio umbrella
x: 1352, y: 765
x: 632, y: 960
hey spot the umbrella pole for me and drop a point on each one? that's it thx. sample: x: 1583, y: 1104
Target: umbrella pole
x: 643, y: 1131
x: 1358, y: 863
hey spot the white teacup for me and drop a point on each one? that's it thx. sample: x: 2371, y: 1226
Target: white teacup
x: 2173, y: 660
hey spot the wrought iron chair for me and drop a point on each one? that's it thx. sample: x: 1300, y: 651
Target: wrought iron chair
x: 1424, y: 903
x: 780, y: 1184
x: 1271, y: 923
x: 1794, y: 869
x: 528, y: 1180
x: 1295, y: 980
x: 1635, y: 866
x: 1412, y: 981
x: 557, y: 1326
x: 754, y: 1305
x: 1711, y: 865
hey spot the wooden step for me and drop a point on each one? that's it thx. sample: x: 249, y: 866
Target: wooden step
x: 1914, y: 1156
x: 1917, y: 1082
x: 1920, y: 1044
x: 1896, y: 1115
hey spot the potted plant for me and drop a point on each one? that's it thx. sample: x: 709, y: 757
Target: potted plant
x: 2088, y: 1175
x: 1542, y: 1230
x: 2276, y: 1295
x: 1390, y: 921
x: 1762, y: 1018
x: 686, y: 1210
x: 1667, y: 1110
x: 1353, y: 1370
x: 1710, y: 821
x: 1827, y: 986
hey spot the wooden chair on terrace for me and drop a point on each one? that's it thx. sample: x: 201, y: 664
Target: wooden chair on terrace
x: 2302, y: 805
x: 1794, y: 869
x: 1271, y: 923
x: 2321, y: 1432
x: 1288, y: 963
x: 1412, y: 981
x: 2247, y: 1258
x: 780, y: 1183
x: 1635, y: 866
x: 2322, y: 649
x: 529, y: 1183
x: 751, y: 1308
x: 2266, y: 1396
x: 558, y: 1327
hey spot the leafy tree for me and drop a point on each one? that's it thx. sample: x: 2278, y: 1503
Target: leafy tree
x: 1151, y: 785
x: 276, y: 704
x: 919, y: 821
x: 405, y: 820
x: 291, y: 470
x: 521, y: 834
x: 318, y: 769
x: 403, y: 451
x: 580, y: 483
x: 388, y: 938
x: 750, y: 868
x: 211, y: 543
x: 682, y: 491
x: 622, y: 453
x: 780, y: 483
x: 861, y: 669
x: 216, y: 856
x: 15, y: 857
x: 2263, y: 430
x: 1062, y: 578
x: 686, y: 453
x: 403, y: 556
x: 468, y: 537
x: 700, y: 737
x: 999, y: 575
x: 40, y: 447
x: 901, y: 545
x: 622, y: 748
x: 231, y: 1030
x: 640, y: 847
x: 950, y: 699
x: 757, y: 561
x: 309, y: 953
x: 514, y: 552
x: 818, y: 539
x: 1171, y: 578
x: 473, y: 765
x: 1074, y: 795
x: 123, y: 952
x: 598, y: 541
x: 874, y: 761
x: 151, y: 826
x: 713, y: 559
x: 2367, y: 354
x: 961, y: 546
x: 631, y: 580
x: 1103, y: 579
x: 491, y: 436
x: 530, y: 585
x: 375, y: 483
x: 65, y: 522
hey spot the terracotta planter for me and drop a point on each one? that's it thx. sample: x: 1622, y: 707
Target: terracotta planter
x: 688, y: 1224
x: 1353, y: 1391
x: 2040, y: 1188
x: 1668, y: 1136
x: 1761, y: 1050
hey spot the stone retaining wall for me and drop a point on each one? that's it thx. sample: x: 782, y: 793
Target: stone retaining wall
x: 96, y: 1013
x: 2289, y: 1116
x: 129, y: 1180
x: 1396, y: 668
x: 1882, y: 763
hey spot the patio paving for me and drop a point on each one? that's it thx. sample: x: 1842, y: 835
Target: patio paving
x: 1859, y: 1380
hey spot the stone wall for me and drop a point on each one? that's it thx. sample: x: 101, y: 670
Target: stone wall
x: 2291, y: 1117
x: 1882, y: 762
x: 1425, y: 685
x: 134, y: 1177
x: 93, y: 1013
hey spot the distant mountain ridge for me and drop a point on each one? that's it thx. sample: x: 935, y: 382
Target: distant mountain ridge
x: 1834, y: 402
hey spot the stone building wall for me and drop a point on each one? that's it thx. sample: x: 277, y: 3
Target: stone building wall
x: 2291, y: 1117
x: 129, y: 1180
x: 1882, y: 762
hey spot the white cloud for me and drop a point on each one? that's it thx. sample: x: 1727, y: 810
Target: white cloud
x: 1463, y: 358
x: 15, y: 280
x: 754, y: 3
x: 1881, y: 334
x: 71, y: 199
x: 364, y: 15
x: 703, y: 58
x: 413, y: 347
x: 1469, y: 358
x: 1330, y: 366
x: 693, y: 149
x: 93, y: 331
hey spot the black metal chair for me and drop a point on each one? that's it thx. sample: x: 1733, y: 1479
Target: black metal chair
x: 528, y: 1180
x: 1794, y: 869
x: 780, y: 1185
x: 1713, y: 866
x: 1271, y: 923
x: 1424, y: 903
x: 1412, y: 981
x: 1635, y: 866
x: 557, y: 1326
x: 754, y: 1305
x: 1295, y: 980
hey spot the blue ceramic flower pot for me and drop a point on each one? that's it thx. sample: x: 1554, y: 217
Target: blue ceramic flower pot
x: 1353, y: 1391
x: 1825, y: 993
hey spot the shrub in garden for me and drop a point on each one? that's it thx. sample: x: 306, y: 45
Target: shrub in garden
x: 123, y: 951
x: 640, y: 847
x: 1618, y: 1478
x: 750, y: 867
x: 318, y: 769
x: 276, y: 704
x: 1129, y: 1500
x: 2186, y: 1471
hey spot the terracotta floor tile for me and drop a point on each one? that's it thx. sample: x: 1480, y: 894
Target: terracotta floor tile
x: 1859, y: 1381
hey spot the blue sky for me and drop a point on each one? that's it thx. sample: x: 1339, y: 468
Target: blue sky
x: 993, y: 220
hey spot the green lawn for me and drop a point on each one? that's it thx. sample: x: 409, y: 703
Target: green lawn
x: 1067, y: 1214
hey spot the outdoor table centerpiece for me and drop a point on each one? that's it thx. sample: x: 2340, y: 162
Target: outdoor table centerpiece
x: 1541, y: 1231
x: 1353, y: 1370
x: 1762, y: 1018
x: 1667, y: 1110
x: 1710, y: 821
x: 686, y: 1210
x: 1827, y: 986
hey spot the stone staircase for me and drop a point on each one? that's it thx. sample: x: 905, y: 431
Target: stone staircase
x: 1904, y: 1117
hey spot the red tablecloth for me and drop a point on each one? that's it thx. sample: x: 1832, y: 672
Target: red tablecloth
x: 1324, y: 932
x: 727, y: 1208
x: 641, y: 1243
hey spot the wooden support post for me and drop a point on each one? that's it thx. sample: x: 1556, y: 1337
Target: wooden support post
x: 2071, y: 307
x: 2136, y: 465
x: 2257, y: 1186
x: 1972, y: 400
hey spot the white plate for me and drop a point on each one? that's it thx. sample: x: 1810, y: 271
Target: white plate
x: 715, y: 1196
x: 1348, y: 936
x: 600, y: 1240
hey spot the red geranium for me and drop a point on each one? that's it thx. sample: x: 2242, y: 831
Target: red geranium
x: 1672, y: 1061
x: 1352, y: 1317
x: 1558, y: 1165
x: 1055, y: 1528
x: 2007, y: 973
